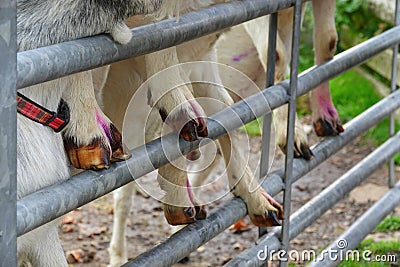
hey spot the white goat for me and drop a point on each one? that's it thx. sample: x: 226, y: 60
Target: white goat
x: 90, y: 138
x: 125, y: 76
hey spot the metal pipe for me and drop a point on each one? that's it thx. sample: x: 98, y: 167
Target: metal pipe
x: 392, y: 88
x: 195, y: 235
x: 36, y: 209
x: 267, y: 120
x: 288, y: 176
x: 8, y: 133
x: 43, y: 64
x: 316, y: 207
x: 359, y: 229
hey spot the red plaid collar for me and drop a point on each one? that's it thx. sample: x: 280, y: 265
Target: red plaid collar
x: 55, y: 120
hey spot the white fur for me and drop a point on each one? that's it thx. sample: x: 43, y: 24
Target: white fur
x: 251, y: 36
x: 40, y: 152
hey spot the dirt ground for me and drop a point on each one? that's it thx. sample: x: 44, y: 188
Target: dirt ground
x: 86, y: 232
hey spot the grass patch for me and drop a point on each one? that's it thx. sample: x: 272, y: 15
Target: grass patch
x: 384, y: 247
x: 253, y: 128
x: 352, y: 94
x: 390, y: 223
x: 376, y: 249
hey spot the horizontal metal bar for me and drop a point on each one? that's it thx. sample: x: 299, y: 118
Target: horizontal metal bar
x: 360, y: 228
x: 36, y: 209
x: 316, y: 207
x: 59, y: 60
x: 44, y: 64
x: 195, y: 235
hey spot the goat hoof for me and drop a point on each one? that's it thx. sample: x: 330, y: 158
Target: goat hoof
x: 193, y: 155
x: 94, y: 156
x: 271, y: 216
x: 194, y: 129
x: 180, y: 215
x: 98, y: 154
x: 303, y: 151
x: 119, y: 151
x: 184, y: 260
x: 324, y: 127
x: 201, y: 212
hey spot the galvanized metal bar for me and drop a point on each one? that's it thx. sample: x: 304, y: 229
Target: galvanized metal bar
x: 8, y: 133
x: 267, y: 120
x: 316, y: 207
x: 193, y: 236
x: 288, y: 177
x: 359, y: 230
x: 392, y: 88
x: 34, y: 210
x: 43, y: 64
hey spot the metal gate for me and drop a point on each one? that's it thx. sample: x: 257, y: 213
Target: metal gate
x: 32, y: 67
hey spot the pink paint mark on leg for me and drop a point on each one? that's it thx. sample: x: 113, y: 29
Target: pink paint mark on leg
x: 197, y: 111
x: 325, y: 107
x: 189, y: 189
x: 104, y: 125
x: 270, y: 199
x: 240, y: 57
x: 328, y: 109
x: 201, y: 120
x: 243, y: 55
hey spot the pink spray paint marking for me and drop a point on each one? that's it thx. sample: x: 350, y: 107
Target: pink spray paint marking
x: 195, y: 109
x: 243, y: 55
x: 104, y: 125
x: 240, y: 57
x: 189, y: 189
x: 328, y: 109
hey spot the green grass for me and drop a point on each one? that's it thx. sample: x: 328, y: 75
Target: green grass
x: 376, y: 248
x: 386, y: 247
x: 390, y: 223
x: 253, y: 128
x: 352, y: 94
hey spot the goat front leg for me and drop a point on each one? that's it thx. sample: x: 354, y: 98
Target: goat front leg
x: 325, y: 116
x: 263, y: 210
x: 180, y: 204
x: 283, y: 46
x: 170, y: 92
x: 90, y: 139
x: 41, y: 247
x: 122, y: 207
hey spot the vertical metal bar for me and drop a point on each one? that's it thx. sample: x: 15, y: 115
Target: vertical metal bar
x: 8, y: 133
x: 392, y: 88
x: 285, y: 237
x: 267, y: 121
